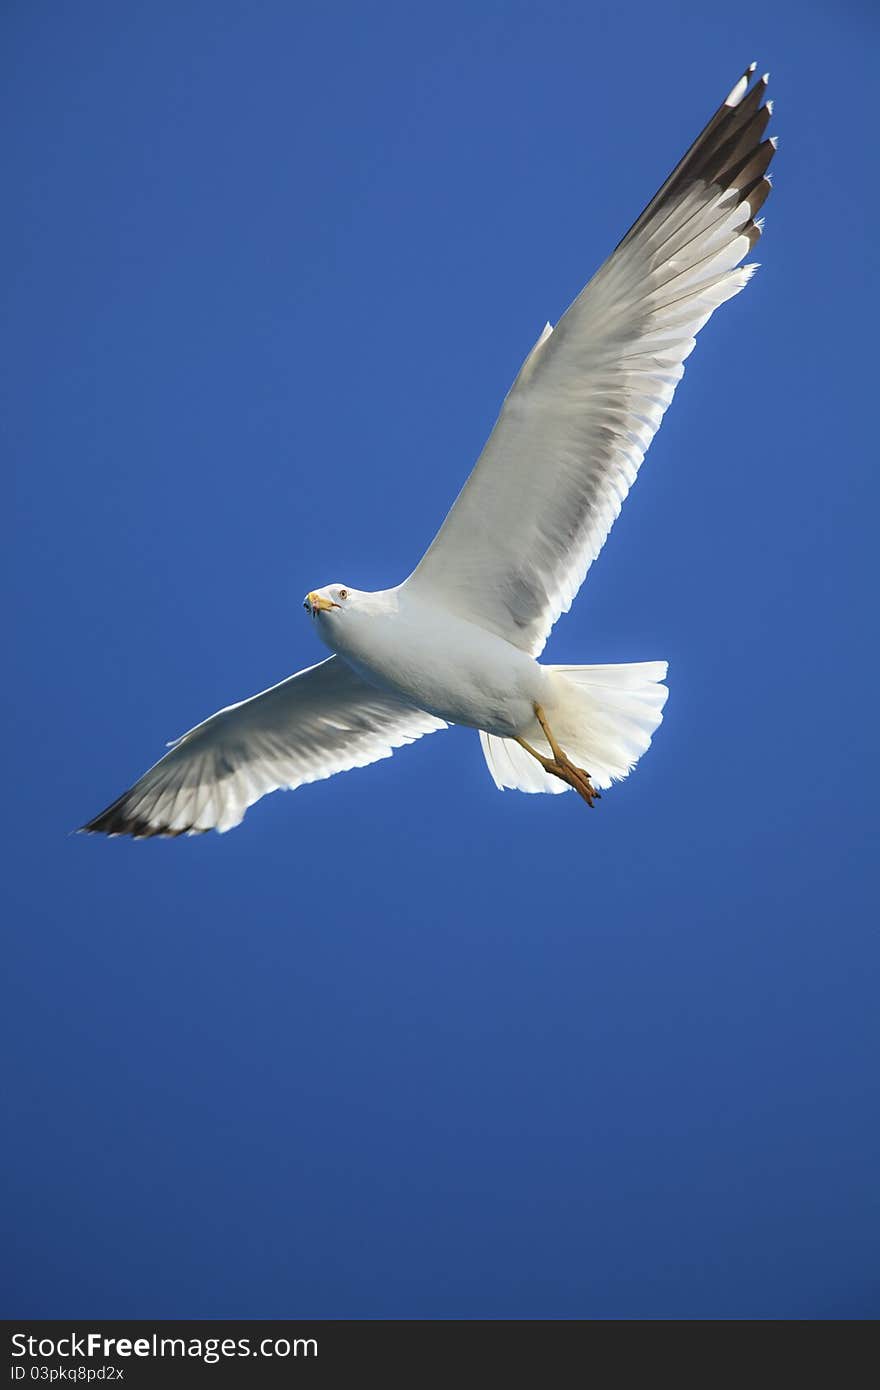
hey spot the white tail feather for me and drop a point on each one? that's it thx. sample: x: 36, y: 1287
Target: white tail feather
x: 603, y: 717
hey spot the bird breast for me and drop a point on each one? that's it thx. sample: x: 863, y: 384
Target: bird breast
x: 443, y: 664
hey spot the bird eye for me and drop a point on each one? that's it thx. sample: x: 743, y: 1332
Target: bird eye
x: 343, y: 593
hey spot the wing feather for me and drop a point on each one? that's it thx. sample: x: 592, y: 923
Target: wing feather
x: 573, y: 431
x: 323, y: 720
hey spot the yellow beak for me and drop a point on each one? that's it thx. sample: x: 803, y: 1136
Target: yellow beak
x: 319, y: 603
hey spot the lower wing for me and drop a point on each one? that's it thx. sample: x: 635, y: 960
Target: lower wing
x: 321, y: 721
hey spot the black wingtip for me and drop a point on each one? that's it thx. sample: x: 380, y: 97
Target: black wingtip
x: 729, y: 153
x: 116, y: 820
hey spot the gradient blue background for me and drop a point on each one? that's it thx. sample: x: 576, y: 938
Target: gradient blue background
x: 401, y: 1045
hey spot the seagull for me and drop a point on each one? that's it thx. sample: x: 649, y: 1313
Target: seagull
x: 458, y: 641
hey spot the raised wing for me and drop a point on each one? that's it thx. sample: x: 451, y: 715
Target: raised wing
x: 536, y: 510
x: 322, y: 720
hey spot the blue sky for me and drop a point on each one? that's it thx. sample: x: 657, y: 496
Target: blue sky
x: 401, y: 1045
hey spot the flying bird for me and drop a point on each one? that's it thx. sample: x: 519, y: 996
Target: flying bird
x: 458, y: 641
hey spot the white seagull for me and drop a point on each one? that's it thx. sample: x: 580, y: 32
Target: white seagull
x: 458, y: 641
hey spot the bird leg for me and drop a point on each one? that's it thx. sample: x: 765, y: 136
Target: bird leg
x: 560, y: 764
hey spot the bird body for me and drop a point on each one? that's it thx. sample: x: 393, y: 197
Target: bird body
x: 458, y: 641
x: 440, y: 662
x: 453, y: 669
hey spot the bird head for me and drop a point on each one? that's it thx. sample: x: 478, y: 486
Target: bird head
x: 323, y: 601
